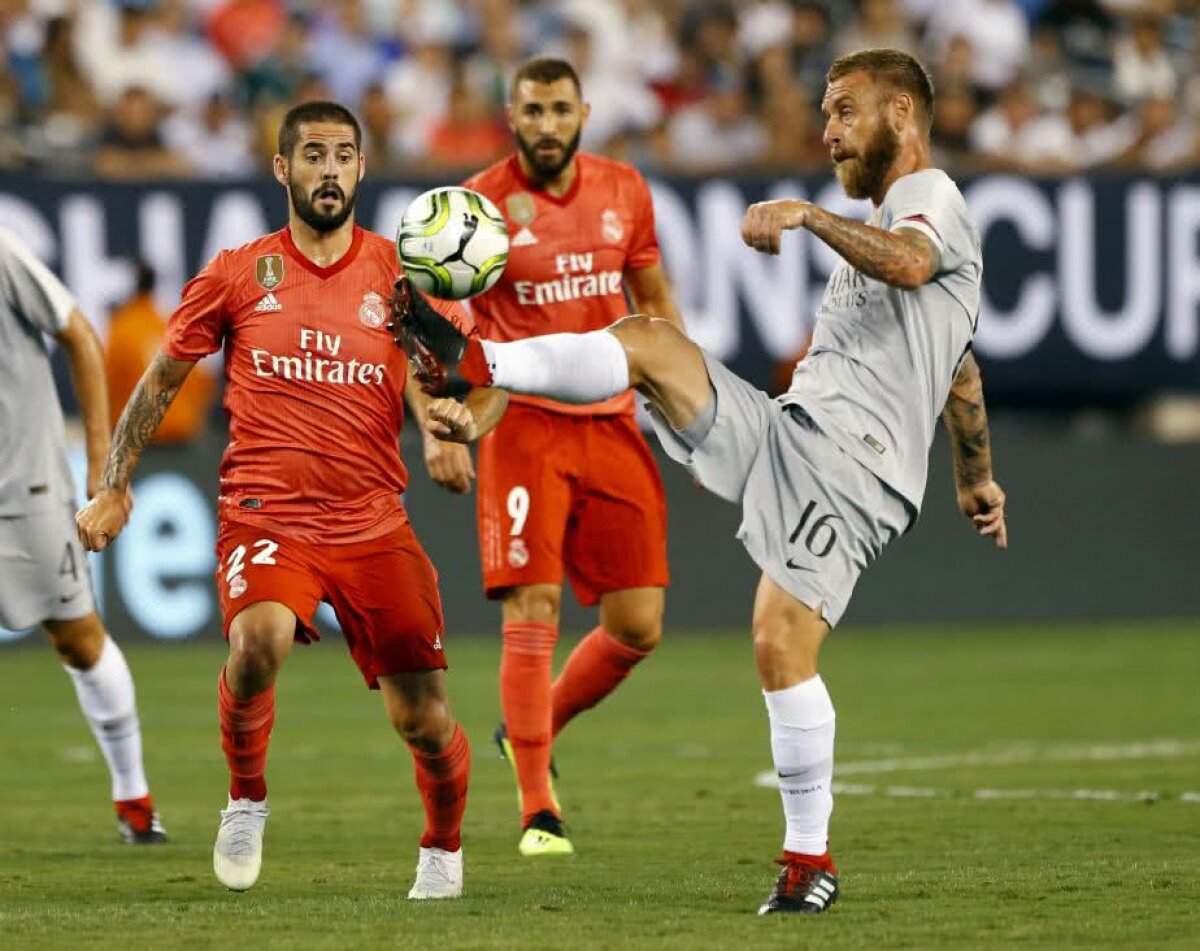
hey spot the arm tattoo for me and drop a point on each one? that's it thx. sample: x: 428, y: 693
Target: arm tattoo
x: 966, y: 419
x: 140, y: 420
x: 904, y: 258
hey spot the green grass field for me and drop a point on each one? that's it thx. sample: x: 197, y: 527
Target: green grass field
x: 674, y: 838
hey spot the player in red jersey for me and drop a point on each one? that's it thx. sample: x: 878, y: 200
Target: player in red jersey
x: 310, y: 504
x: 565, y: 488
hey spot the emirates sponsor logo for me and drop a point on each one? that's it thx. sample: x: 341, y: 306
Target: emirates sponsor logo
x: 317, y: 362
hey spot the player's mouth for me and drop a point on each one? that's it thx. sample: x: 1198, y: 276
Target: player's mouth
x: 329, y: 193
x: 548, y: 147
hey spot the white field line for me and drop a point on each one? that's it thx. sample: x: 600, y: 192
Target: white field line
x: 1023, y: 754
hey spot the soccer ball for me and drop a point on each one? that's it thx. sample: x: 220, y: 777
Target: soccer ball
x: 452, y: 243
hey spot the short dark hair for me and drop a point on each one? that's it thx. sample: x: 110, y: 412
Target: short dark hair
x: 544, y: 69
x: 895, y: 69
x: 315, y: 110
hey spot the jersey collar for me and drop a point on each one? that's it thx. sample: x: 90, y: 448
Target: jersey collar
x: 563, y: 199
x: 289, y: 246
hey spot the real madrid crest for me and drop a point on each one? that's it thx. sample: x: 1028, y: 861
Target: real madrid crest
x: 268, y: 271
x: 611, y: 227
x: 373, y: 311
x: 520, y: 207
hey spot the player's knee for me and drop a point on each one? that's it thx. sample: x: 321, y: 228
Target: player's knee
x: 427, y: 727
x: 79, y: 642
x: 255, y: 655
x: 648, y: 342
x: 640, y: 629
x: 537, y: 604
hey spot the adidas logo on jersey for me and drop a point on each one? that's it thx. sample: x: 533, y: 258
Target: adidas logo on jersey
x: 269, y: 304
x: 523, y: 239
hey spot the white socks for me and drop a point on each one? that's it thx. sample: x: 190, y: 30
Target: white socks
x: 570, y: 368
x: 106, y: 697
x: 802, y: 727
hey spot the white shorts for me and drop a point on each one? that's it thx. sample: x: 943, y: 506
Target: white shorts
x: 812, y: 517
x: 43, y: 570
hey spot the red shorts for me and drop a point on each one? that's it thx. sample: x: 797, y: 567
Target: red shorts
x: 580, y: 493
x: 384, y: 592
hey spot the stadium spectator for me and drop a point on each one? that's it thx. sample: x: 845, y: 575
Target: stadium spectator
x: 997, y: 31
x: 344, y: 52
x: 878, y: 24
x: 717, y: 134
x: 955, y: 110
x: 135, y: 332
x: 214, y: 139
x: 419, y: 84
x: 117, y: 45
x: 132, y: 146
x: 468, y: 134
x: 999, y: 135
x: 381, y: 143
x: 1141, y: 64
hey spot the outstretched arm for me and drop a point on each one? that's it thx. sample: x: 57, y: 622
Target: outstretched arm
x: 86, y: 359
x: 101, y: 520
x: 979, y: 497
x: 904, y: 258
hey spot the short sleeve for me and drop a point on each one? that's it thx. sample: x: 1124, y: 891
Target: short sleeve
x: 643, y: 243
x: 197, y: 327
x: 930, y: 202
x: 31, y: 288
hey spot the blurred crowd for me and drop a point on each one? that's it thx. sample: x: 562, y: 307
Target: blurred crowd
x: 144, y: 89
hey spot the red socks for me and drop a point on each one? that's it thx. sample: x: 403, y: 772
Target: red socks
x: 526, y: 663
x: 823, y: 862
x: 245, y: 734
x: 594, y: 670
x: 442, y: 780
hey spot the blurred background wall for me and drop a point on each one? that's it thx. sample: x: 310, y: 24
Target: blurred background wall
x: 135, y: 139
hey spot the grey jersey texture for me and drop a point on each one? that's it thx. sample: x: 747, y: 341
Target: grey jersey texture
x: 34, y: 474
x: 882, y: 359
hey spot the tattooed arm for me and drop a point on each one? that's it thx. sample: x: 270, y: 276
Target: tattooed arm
x: 905, y: 258
x: 101, y: 520
x: 979, y: 497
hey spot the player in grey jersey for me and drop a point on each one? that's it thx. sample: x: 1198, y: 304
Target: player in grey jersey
x: 832, y: 471
x: 44, y: 577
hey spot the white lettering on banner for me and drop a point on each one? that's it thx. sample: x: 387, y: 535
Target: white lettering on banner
x: 30, y: 226
x: 99, y: 282
x: 165, y: 560
x: 1183, y: 270
x: 160, y: 217
x: 1120, y: 334
x: 235, y: 219
x: 1006, y: 335
x: 679, y: 244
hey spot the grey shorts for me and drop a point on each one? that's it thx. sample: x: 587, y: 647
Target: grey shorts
x: 812, y: 517
x: 43, y: 570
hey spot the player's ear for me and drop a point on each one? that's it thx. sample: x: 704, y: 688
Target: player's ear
x: 584, y: 111
x: 902, y: 110
x: 280, y: 167
x: 362, y: 166
x: 508, y: 117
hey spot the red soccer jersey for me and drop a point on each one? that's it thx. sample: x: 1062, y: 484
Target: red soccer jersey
x: 314, y: 384
x: 567, y: 256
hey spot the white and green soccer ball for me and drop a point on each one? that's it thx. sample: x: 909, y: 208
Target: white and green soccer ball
x: 452, y: 243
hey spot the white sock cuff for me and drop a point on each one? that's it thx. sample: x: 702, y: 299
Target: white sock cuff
x: 805, y: 706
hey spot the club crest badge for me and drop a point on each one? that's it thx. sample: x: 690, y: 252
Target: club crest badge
x: 611, y: 227
x: 268, y: 271
x: 237, y: 587
x: 373, y: 311
x: 520, y: 207
x: 518, y: 554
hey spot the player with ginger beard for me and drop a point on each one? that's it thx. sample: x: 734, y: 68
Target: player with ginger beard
x: 564, y: 489
x: 831, y: 472
x: 310, y: 505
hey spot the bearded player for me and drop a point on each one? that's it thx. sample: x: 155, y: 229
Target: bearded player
x: 310, y: 506
x: 835, y: 469
x: 564, y: 488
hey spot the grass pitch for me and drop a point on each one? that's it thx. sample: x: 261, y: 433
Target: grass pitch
x: 674, y: 839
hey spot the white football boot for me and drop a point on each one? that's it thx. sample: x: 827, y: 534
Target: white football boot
x: 439, y: 874
x: 237, y: 856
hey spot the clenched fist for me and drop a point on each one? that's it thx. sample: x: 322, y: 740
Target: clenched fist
x: 765, y: 221
x: 101, y: 520
x: 451, y: 421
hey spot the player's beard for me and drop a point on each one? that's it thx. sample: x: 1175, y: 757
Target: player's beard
x: 863, y: 175
x: 547, y: 171
x: 307, y: 211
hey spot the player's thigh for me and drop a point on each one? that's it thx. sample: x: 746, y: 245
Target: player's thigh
x: 385, y: 594
x: 43, y: 570
x: 813, y: 518
x: 721, y: 454
x: 524, y: 497
x: 664, y: 366
x: 257, y: 568
x: 617, y: 533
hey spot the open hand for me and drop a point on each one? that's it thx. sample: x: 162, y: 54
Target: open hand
x: 983, y: 504
x: 101, y: 520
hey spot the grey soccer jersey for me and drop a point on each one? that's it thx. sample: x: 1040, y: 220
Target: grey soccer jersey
x: 882, y: 359
x: 34, y: 476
